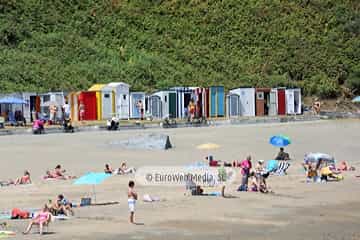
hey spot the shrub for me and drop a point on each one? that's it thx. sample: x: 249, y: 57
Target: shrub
x: 353, y: 81
x: 321, y: 85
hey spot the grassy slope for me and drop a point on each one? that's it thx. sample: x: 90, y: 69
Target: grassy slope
x: 153, y: 44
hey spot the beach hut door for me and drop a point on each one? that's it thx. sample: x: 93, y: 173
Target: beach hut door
x: 290, y: 106
x: 172, y: 105
x: 297, y: 101
x: 273, y: 102
x: 234, y: 105
x: 247, y: 102
x: 155, y: 106
x: 107, y: 105
x: 136, y: 97
x: 124, y: 106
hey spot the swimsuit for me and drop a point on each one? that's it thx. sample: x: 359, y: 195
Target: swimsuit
x: 43, y: 217
x: 131, y: 203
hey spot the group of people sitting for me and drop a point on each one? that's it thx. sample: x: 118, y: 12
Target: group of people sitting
x: 61, y: 206
x: 57, y: 174
x: 254, y: 178
x: 282, y: 159
x: 323, y: 171
x: 124, y: 169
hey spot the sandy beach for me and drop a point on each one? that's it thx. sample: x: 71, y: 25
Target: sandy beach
x: 296, y: 210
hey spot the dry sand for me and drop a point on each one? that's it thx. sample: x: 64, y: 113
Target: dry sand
x: 296, y: 211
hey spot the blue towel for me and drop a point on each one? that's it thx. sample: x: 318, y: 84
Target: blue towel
x: 271, y: 165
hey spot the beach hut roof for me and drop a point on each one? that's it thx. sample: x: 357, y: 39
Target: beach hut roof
x: 115, y: 84
x: 96, y: 87
x: 12, y: 100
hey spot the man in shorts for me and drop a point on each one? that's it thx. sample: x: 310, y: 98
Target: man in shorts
x: 132, y: 197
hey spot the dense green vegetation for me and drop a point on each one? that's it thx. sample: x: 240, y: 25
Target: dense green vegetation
x: 153, y: 44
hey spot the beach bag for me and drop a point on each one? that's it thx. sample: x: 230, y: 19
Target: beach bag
x: 85, y: 202
x: 242, y: 188
x: 16, y: 213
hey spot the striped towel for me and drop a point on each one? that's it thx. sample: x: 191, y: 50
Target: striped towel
x: 282, y: 167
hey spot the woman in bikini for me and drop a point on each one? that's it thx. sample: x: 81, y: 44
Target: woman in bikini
x: 24, y: 179
x: 125, y: 170
x: 108, y: 169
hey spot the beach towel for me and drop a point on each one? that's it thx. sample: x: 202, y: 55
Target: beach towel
x: 272, y: 165
x: 148, y: 198
x: 5, y: 234
x: 4, y: 216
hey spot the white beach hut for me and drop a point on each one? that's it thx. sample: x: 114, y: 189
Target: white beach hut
x: 122, y: 98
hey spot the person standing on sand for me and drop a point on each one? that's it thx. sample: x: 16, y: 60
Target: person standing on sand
x: 140, y: 107
x: 245, y: 172
x: 132, y: 197
x: 66, y: 109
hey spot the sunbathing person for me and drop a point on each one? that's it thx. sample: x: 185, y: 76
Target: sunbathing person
x: 125, y: 170
x: 343, y: 166
x: 59, y: 173
x: 211, y: 161
x: 108, y: 169
x: 41, y: 218
x: 49, y: 175
x: 328, y: 173
x: 24, y: 179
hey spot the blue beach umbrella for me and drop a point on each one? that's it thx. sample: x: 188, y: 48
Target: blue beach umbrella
x: 92, y: 179
x: 279, y: 141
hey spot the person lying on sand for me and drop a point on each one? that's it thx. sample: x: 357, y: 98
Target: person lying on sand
x: 24, y: 179
x: 343, y: 166
x: 328, y: 173
x: 108, y: 169
x: 58, y: 174
x: 211, y: 161
x: 125, y: 170
x: 41, y: 218
x: 21, y: 180
x: 199, y: 191
x: 216, y: 163
x: 61, y: 206
x: 49, y: 175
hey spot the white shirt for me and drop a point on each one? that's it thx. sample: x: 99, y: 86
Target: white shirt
x: 66, y: 108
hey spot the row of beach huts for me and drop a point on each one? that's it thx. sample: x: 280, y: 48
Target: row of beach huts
x: 103, y: 101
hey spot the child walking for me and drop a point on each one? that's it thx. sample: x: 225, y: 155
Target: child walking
x: 132, y: 197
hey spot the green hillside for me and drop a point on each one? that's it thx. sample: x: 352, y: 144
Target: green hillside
x: 153, y: 44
